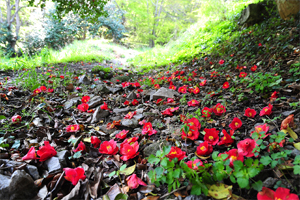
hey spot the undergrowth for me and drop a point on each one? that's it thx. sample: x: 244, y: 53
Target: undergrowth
x: 210, y: 35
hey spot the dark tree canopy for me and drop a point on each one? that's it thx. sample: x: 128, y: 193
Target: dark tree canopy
x: 91, y: 9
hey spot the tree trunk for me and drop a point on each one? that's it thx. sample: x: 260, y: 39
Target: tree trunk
x: 288, y: 8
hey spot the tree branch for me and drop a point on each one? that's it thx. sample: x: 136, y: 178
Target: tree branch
x: 17, y: 10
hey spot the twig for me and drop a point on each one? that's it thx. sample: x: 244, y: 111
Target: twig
x: 183, y: 187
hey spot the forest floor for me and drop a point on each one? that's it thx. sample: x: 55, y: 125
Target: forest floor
x: 206, y: 129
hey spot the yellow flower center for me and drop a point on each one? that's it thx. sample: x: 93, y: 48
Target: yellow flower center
x: 250, y: 114
x: 203, y: 148
x: 210, y: 137
x: 236, y: 123
x: 233, y: 158
x: 190, y: 133
x: 72, y: 128
x: 266, y: 109
x: 109, y: 148
x: 174, y: 152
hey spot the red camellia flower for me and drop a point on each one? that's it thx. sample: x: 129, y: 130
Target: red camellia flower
x: 80, y: 147
x: 274, y: 95
x: 261, y: 128
x: 85, y: 99
x: 83, y: 107
x: 156, y: 86
x: 130, y: 115
x: 235, y: 124
x: 211, y: 136
x: 226, y: 139
x: 193, y: 103
x: 126, y: 103
x: 172, y: 87
x: 73, y: 128
x: 221, y: 62
x: 246, y: 147
x: 169, y: 111
x: 250, y: 113
x: 135, y: 102
x: 280, y: 194
x: 109, y: 147
x: 219, y: 109
x: 196, y: 90
x: 203, y: 83
x: 225, y: 85
x: 62, y: 77
x: 234, y: 155
x: 192, y: 134
x: 129, y: 151
x: 45, y: 152
x: 195, y: 164
x: 204, y: 149
x: 130, y: 140
x: 133, y: 181
x: 31, y: 155
x: 16, y: 119
x: 243, y: 74
x: 182, y: 118
x: 170, y: 100
x: 148, y: 129
x: 259, y: 44
x: 176, y: 152
x: 104, y: 106
x: 74, y: 175
x: 205, y: 58
x: 49, y: 90
x: 206, y: 112
x: 266, y: 110
x: 159, y: 100
x: 95, y: 141
x: 253, y: 68
x: 182, y: 89
x: 43, y: 88
x: 122, y: 134
x: 37, y: 91
x: 194, y: 122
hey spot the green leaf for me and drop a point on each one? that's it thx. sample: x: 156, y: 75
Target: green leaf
x: 274, y: 163
x: 249, y: 162
x: 296, y: 169
x: 297, y: 160
x: 238, y: 165
x: 176, y: 173
x: 166, y: 150
x: 77, y: 154
x: 196, y: 190
x: 123, y: 167
x: 224, y: 156
x: 243, y: 182
x: 121, y: 196
x: 2, y: 117
x: 159, y: 171
x: 159, y: 154
x: 153, y: 159
x: 128, y: 171
x: 112, y: 174
x: 257, y: 185
x: 265, y: 160
x: 232, y: 178
x: 253, y: 172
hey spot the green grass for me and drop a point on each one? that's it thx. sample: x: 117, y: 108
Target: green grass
x: 86, y: 51
x: 207, y: 35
